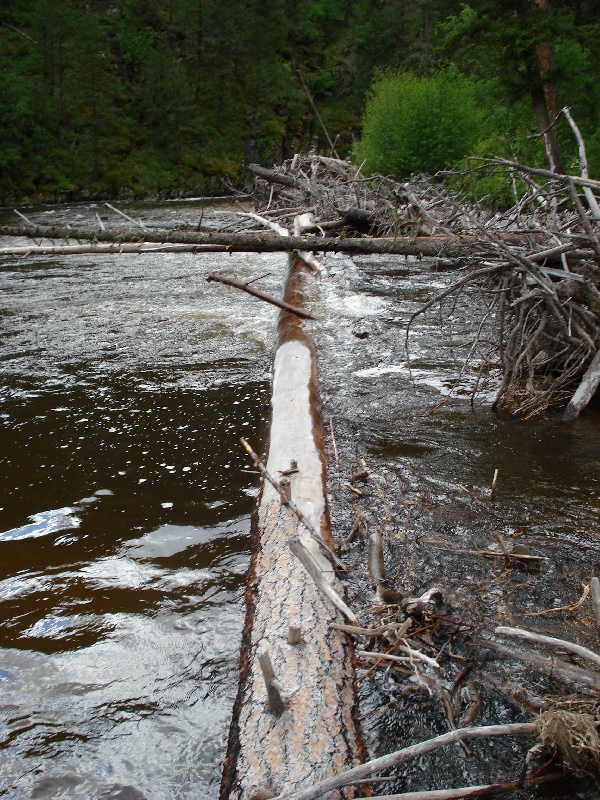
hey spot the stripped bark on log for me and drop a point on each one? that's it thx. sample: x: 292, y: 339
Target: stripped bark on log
x: 315, y: 736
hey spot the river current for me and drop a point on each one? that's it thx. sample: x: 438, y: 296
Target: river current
x: 125, y: 384
x: 125, y: 507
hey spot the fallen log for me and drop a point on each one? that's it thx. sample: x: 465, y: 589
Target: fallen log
x: 272, y: 176
x: 421, y: 246
x: 308, y: 732
x: 107, y: 248
x: 299, y: 312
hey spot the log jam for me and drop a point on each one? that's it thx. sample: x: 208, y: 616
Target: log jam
x: 315, y: 736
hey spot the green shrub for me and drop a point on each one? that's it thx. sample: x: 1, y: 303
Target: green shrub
x: 417, y: 124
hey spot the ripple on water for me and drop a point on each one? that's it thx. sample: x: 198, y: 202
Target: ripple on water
x: 125, y: 385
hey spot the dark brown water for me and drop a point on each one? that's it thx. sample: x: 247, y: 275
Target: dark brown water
x: 125, y: 384
x: 125, y: 501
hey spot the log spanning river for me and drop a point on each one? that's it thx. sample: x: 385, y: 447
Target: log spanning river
x: 125, y: 497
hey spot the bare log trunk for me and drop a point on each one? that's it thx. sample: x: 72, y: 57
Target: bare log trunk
x: 273, y: 176
x: 313, y: 735
x: 585, y: 391
x: 452, y: 246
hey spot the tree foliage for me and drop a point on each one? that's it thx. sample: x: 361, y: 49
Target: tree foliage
x: 418, y: 124
x: 176, y: 96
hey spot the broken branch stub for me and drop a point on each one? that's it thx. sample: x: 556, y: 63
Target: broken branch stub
x: 275, y: 696
x: 287, y: 500
x: 301, y: 552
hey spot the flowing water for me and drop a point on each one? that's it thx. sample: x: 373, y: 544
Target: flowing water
x: 125, y: 507
x: 126, y: 382
x: 433, y: 455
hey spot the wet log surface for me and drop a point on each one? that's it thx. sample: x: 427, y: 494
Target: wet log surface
x: 315, y: 736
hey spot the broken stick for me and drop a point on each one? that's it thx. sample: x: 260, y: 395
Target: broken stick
x: 301, y: 552
x: 550, y: 641
x: 408, y: 753
x: 595, y: 591
x: 213, y: 276
x: 553, y: 667
x: 487, y: 790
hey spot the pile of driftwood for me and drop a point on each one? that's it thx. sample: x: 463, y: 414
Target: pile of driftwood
x: 537, y: 264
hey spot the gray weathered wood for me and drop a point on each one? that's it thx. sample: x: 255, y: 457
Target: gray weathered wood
x: 595, y: 593
x: 585, y: 391
x: 408, y: 753
x: 553, y: 667
x: 550, y: 641
x: 274, y: 689
x: 299, y: 549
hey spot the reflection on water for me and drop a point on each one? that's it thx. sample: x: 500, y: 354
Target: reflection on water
x: 42, y: 524
x: 125, y: 384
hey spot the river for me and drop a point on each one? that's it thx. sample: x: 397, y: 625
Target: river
x: 126, y: 382
x: 125, y: 513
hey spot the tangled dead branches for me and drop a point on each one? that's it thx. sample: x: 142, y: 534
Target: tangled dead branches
x: 538, y: 262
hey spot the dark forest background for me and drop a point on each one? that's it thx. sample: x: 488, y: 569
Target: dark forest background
x: 175, y: 97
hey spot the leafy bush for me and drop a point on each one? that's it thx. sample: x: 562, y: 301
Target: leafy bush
x: 419, y: 124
